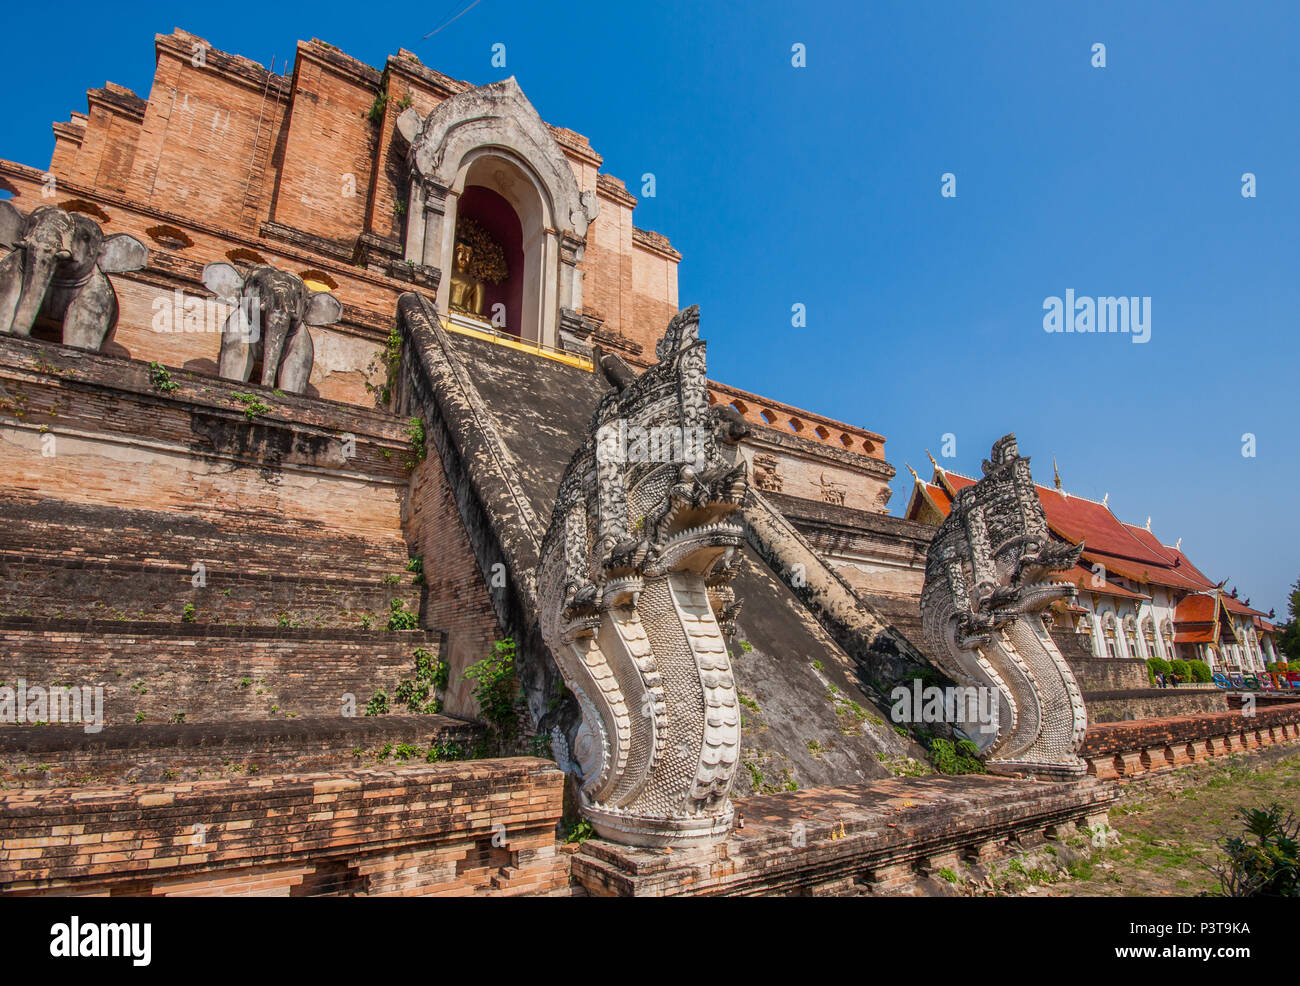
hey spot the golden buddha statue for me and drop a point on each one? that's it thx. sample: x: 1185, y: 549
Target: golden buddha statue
x: 466, y: 290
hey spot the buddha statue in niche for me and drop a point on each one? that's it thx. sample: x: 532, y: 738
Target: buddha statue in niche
x: 466, y: 289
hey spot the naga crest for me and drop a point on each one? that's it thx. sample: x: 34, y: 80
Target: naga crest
x: 635, y: 601
x: 988, y: 577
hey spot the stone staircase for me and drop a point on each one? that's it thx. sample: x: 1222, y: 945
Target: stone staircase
x: 218, y: 585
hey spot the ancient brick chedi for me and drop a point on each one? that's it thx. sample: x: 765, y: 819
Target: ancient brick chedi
x: 315, y: 387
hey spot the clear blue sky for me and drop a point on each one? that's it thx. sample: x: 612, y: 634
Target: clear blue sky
x: 821, y: 186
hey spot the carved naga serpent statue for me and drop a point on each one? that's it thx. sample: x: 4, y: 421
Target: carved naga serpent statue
x: 635, y: 602
x: 988, y: 577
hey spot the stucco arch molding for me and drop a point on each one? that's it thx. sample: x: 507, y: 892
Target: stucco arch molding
x: 497, y: 115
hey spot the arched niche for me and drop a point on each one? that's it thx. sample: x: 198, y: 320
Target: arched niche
x: 491, y: 138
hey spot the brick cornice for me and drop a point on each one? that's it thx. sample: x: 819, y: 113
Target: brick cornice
x: 648, y: 239
x: 236, y: 68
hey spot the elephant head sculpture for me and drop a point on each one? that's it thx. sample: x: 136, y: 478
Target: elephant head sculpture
x: 272, y: 309
x: 57, y: 269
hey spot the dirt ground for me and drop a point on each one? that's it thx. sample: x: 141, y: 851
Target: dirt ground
x: 1167, y: 839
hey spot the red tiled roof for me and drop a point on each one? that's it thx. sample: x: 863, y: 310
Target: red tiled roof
x: 1142, y: 571
x: 1152, y: 543
x: 1237, y: 606
x: 1187, y: 569
x: 1196, y: 608
x: 940, y: 497
x: 1195, y: 637
x: 1087, y: 581
x: 1263, y: 626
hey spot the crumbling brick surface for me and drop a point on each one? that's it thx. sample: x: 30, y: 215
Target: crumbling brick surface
x: 484, y: 827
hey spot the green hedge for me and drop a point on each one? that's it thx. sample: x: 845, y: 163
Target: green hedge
x: 1201, y: 673
x: 1181, y: 669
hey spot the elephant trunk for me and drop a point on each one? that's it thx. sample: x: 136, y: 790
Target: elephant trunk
x: 38, y: 270
x: 277, y: 324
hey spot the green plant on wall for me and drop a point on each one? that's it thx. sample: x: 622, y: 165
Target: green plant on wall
x: 497, y: 692
x: 401, y: 618
x: 420, y: 694
x: 161, y: 379
x: 959, y: 758
x: 414, y: 431
x: 253, y: 407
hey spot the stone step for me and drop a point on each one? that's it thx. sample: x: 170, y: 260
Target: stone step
x: 66, y: 756
x: 67, y: 560
x: 186, y: 673
x: 63, y: 531
x: 55, y: 589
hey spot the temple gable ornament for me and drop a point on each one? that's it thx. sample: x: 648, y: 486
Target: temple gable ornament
x: 634, y: 598
x: 989, y: 575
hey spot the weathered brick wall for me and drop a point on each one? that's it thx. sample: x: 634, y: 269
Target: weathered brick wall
x: 206, y: 143
x: 118, y: 440
x: 1151, y: 703
x: 210, y: 673
x: 330, y: 145
x: 1117, y: 737
x: 457, y: 600
x: 1101, y: 673
x: 426, y: 830
x: 63, y: 756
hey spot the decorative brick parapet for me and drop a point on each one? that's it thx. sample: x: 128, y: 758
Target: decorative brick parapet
x: 481, y: 827
x: 1129, y: 749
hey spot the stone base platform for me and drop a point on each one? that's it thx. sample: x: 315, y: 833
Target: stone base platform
x: 873, y: 838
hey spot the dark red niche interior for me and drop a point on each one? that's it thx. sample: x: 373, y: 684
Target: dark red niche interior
x: 498, y: 217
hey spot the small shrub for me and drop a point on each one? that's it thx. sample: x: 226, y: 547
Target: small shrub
x: 497, y: 692
x: 1201, y: 673
x: 445, y: 750
x: 253, y: 407
x: 161, y: 379
x: 580, y: 833
x: 959, y: 758
x: 414, y: 432
x: 1155, y: 666
x: 1265, y: 862
x: 401, y: 618
x: 187, y: 613
x: 378, y: 704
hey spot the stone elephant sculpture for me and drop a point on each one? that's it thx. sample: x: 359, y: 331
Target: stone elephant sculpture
x: 272, y: 310
x: 58, y: 269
